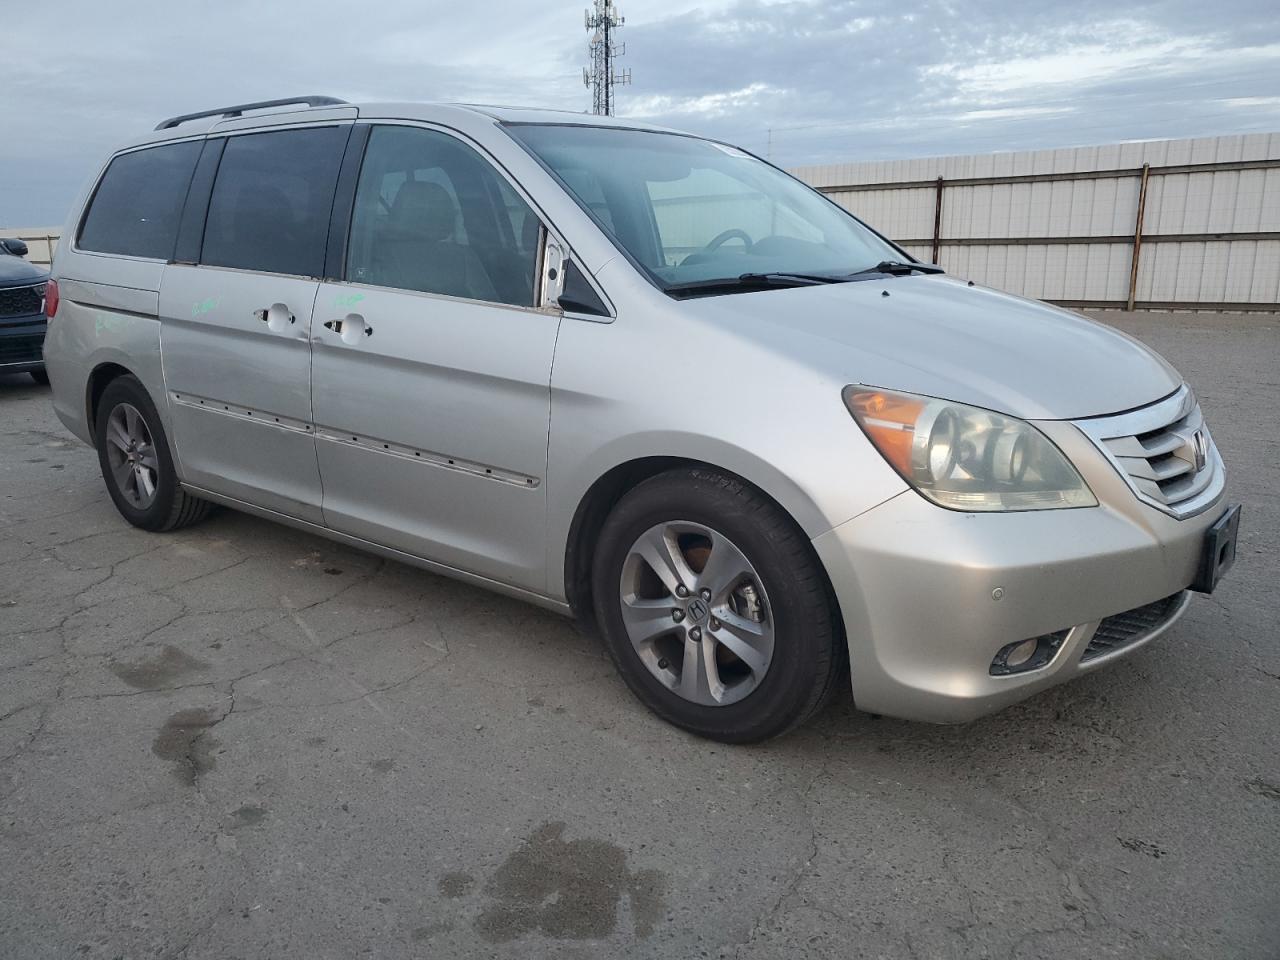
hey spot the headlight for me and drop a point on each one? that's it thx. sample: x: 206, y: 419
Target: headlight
x: 966, y: 458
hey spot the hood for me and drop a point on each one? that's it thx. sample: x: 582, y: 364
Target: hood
x: 937, y: 336
x: 16, y: 272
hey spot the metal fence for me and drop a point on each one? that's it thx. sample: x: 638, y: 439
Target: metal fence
x: 1170, y: 225
x: 41, y: 242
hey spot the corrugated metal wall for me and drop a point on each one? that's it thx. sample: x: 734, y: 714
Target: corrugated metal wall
x: 1059, y: 224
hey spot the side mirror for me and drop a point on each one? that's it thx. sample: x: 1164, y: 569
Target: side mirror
x: 14, y: 246
x: 578, y: 296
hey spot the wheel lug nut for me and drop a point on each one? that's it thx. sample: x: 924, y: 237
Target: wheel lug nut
x: 706, y: 594
x: 677, y: 615
x: 663, y: 664
x: 682, y: 591
x: 695, y: 634
x: 714, y: 624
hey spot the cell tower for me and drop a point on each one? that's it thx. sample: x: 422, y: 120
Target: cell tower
x: 603, y: 19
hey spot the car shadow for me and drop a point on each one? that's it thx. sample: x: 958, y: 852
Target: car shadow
x: 20, y: 385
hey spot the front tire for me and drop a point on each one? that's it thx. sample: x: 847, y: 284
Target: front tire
x: 715, y: 608
x: 137, y: 465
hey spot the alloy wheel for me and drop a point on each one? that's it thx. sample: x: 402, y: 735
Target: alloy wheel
x: 131, y: 454
x: 696, y: 613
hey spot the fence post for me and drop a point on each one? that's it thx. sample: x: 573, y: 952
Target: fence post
x: 937, y: 220
x: 1137, y: 237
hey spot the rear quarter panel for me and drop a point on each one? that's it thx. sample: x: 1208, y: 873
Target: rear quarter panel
x: 107, y: 314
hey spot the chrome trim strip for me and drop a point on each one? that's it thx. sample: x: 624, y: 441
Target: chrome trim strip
x: 429, y: 457
x: 1143, y: 420
x: 239, y: 412
x: 1117, y: 439
x: 373, y: 444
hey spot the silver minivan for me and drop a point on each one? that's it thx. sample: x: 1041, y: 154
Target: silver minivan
x: 639, y: 377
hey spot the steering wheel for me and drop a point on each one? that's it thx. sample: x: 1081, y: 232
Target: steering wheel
x: 721, y: 238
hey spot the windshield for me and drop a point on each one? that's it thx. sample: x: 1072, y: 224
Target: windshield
x: 690, y: 210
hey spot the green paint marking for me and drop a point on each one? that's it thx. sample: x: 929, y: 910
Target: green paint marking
x: 347, y: 300
x: 106, y: 321
x: 201, y: 307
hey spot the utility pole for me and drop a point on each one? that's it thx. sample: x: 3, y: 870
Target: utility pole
x: 603, y: 19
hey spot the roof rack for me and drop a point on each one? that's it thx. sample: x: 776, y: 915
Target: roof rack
x: 240, y: 108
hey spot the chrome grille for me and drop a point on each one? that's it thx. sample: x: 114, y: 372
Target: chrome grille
x: 21, y: 301
x: 1164, y: 452
x: 1122, y: 629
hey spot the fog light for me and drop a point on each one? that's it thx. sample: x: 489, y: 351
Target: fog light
x: 1023, y: 655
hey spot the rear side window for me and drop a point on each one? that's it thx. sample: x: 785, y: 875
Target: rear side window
x: 138, y: 203
x: 271, y: 201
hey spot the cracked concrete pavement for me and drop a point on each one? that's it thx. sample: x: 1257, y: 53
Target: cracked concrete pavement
x: 243, y: 741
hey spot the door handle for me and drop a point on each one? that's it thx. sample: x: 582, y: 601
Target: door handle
x: 266, y: 314
x: 351, y: 328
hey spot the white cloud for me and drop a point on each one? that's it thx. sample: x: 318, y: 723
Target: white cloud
x: 707, y: 105
x: 1085, y: 63
x: 833, y: 80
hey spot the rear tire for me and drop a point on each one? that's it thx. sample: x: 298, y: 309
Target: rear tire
x: 40, y: 376
x: 765, y: 597
x: 137, y: 465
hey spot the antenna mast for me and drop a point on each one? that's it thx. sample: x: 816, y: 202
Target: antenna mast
x: 603, y: 19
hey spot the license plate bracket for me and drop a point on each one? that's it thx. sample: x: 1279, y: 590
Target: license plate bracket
x: 1219, y: 551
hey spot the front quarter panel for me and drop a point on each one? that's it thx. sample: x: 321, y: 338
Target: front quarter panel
x: 657, y: 383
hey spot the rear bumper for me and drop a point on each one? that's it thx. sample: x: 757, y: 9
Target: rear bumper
x: 22, y: 343
x: 929, y: 596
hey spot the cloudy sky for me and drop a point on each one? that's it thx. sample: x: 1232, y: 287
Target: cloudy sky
x: 834, y: 80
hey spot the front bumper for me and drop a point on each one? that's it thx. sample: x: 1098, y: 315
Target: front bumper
x: 22, y: 343
x: 929, y: 596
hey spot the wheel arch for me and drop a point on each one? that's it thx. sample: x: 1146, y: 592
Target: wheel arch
x: 611, y: 486
x: 99, y: 378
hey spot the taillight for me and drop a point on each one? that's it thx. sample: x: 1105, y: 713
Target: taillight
x: 51, y: 298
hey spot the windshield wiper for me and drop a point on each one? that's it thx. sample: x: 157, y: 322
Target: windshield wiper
x: 896, y: 268
x: 753, y: 281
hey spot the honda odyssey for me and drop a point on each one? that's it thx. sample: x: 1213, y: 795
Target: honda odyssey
x: 639, y: 377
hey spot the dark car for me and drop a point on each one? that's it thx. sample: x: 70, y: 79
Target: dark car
x: 22, y: 318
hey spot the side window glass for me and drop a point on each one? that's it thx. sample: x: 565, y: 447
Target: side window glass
x: 431, y: 214
x: 137, y: 206
x: 272, y: 199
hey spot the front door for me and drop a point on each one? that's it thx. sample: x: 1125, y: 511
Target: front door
x: 432, y: 362
x: 235, y: 341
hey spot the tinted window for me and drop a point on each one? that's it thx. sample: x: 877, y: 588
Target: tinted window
x: 271, y: 201
x: 137, y: 206
x: 431, y: 214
